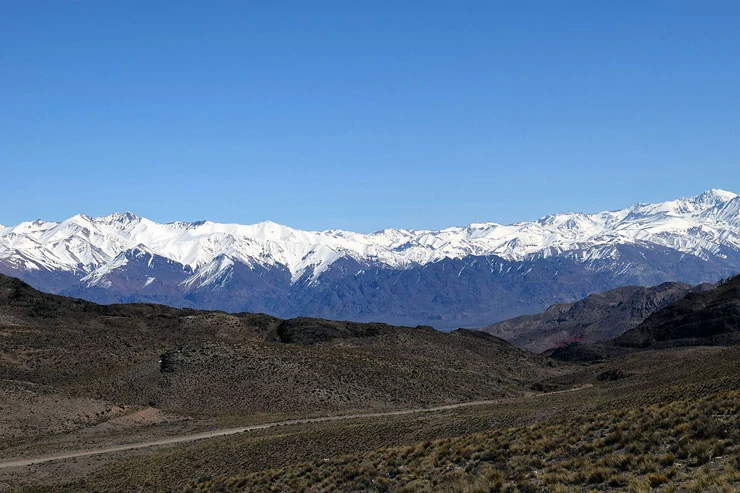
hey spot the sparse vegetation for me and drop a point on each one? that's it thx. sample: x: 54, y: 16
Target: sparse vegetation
x: 687, y: 444
x: 218, y: 365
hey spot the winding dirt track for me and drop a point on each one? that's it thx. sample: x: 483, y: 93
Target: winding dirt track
x: 4, y: 464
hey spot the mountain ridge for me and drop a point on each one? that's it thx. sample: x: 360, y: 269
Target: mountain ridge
x: 289, y: 272
x: 596, y: 318
x: 209, y: 362
x: 704, y: 316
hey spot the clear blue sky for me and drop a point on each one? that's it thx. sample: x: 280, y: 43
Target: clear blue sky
x: 363, y: 115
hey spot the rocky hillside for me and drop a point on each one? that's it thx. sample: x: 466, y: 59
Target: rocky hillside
x: 700, y: 318
x: 596, y: 318
x: 216, y: 364
x: 704, y: 317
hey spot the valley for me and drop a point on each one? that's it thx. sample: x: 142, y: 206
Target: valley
x: 146, y: 397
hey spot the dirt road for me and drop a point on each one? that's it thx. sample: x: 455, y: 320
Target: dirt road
x: 4, y: 464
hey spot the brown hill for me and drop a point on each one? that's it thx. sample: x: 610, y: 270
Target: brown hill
x: 709, y: 317
x: 703, y: 317
x: 598, y: 317
x: 216, y: 364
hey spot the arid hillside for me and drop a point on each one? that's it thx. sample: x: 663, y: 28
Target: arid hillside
x: 596, y: 318
x: 212, y: 364
x: 704, y: 317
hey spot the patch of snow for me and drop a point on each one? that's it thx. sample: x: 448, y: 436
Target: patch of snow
x: 97, y: 277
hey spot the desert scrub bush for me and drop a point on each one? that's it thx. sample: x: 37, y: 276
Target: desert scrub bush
x: 597, y: 475
x: 644, y: 464
x: 656, y: 479
x: 621, y: 462
x: 639, y: 485
x: 667, y: 459
x: 700, y: 453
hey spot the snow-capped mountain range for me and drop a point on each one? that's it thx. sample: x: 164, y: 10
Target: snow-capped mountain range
x: 122, y: 257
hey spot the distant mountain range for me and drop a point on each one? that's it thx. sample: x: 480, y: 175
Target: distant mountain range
x: 460, y: 276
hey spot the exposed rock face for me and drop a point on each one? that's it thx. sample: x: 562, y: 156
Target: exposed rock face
x: 169, y: 361
x: 700, y: 318
x: 704, y: 317
x: 596, y: 318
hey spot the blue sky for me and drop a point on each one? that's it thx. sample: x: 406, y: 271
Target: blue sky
x: 363, y: 115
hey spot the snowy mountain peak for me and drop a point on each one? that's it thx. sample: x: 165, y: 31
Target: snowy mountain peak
x: 78, y: 220
x: 714, y: 196
x: 118, y: 217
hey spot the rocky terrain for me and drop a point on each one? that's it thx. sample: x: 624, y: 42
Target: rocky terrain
x: 598, y: 317
x: 708, y: 317
x: 77, y: 364
x: 703, y: 317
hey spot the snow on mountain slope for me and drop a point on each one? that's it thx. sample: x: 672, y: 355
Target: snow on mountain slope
x: 94, y: 247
